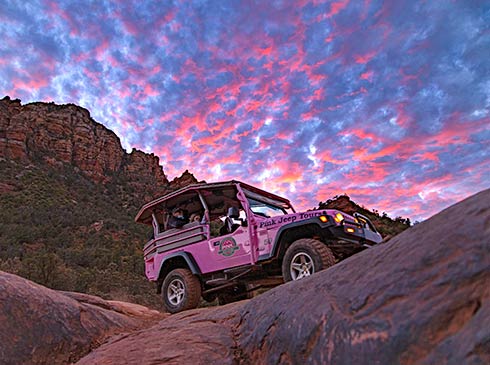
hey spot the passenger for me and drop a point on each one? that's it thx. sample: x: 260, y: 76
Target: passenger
x: 177, y: 219
x: 195, y: 218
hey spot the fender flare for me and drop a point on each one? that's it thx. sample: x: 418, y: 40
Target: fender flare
x: 191, y: 263
x: 283, y: 229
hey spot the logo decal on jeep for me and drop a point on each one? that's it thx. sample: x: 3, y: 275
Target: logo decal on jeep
x: 227, y: 247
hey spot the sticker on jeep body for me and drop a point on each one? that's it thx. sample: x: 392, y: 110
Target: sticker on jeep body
x: 227, y: 247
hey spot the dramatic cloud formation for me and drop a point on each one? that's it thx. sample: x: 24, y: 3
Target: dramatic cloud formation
x: 387, y: 101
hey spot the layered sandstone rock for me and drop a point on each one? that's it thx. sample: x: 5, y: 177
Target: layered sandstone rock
x: 183, y: 180
x: 202, y: 336
x: 67, y: 134
x: 13, y: 142
x: 422, y: 298
x: 43, y: 326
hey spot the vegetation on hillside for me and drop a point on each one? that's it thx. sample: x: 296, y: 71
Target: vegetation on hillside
x: 61, y: 230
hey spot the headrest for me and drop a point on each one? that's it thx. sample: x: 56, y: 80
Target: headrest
x: 233, y: 212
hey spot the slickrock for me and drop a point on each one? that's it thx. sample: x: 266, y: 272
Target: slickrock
x: 43, y: 326
x: 200, y: 336
x: 422, y: 298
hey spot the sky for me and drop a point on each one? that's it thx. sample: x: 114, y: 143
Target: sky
x: 386, y: 101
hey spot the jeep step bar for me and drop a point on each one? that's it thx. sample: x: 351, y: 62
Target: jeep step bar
x: 267, y: 282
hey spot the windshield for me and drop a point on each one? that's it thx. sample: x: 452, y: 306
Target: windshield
x: 265, y: 209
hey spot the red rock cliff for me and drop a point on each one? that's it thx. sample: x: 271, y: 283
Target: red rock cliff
x: 67, y: 134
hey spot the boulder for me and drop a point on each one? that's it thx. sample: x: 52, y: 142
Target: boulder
x: 421, y: 298
x: 43, y: 326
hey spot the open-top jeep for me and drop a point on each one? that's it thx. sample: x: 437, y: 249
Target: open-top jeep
x: 247, y: 239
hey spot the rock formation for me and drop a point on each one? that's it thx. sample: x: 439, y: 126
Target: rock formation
x: 183, y: 180
x: 202, y: 336
x: 422, y: 298
x: 43, y: 326
x: 66, y: 134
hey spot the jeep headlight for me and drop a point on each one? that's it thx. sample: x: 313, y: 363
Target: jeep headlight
x: 338, y: 217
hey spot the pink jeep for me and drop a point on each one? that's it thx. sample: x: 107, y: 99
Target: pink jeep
x: 245, y: 239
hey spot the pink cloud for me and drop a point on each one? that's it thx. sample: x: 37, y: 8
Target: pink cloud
x: 336, y: 7
x: 363, y: 59
x: 368, y: 75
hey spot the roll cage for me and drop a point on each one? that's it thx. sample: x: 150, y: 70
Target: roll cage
x: 209, y: 201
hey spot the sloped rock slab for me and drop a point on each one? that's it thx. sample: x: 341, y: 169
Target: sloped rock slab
x: 422, y: 298
x: 201, y: 336
x: 42, y: 326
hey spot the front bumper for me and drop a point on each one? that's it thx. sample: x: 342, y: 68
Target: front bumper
x: 355, y: 234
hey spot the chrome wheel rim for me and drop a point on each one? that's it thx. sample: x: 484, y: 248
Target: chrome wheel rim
x: 176, y: 292
x: 301, y: 266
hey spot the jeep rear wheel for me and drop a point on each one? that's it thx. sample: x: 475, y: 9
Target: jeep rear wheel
x: 305, y: 257
x: 181, y: 290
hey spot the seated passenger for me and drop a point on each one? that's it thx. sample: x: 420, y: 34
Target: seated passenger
x: 177, y: 219
x: 195, y: 218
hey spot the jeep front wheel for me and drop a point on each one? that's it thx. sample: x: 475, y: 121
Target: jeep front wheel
x: 181, y: 290
x: 305, y: 257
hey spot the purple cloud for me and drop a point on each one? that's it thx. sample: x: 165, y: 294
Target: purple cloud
x: 386, y: 101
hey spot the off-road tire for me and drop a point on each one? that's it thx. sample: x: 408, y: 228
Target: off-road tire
x: 191, y: 290
x: 322, y: 257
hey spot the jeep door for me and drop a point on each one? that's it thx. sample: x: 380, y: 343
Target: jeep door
x: 231, y: 247
x: 229, y: 242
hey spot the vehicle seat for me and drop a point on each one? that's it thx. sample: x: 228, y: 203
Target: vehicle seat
x: 229, y: 226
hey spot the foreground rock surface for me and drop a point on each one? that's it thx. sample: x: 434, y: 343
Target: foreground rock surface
x: 201, y: 336
x: 43, y: 326
x: 422, y: 298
